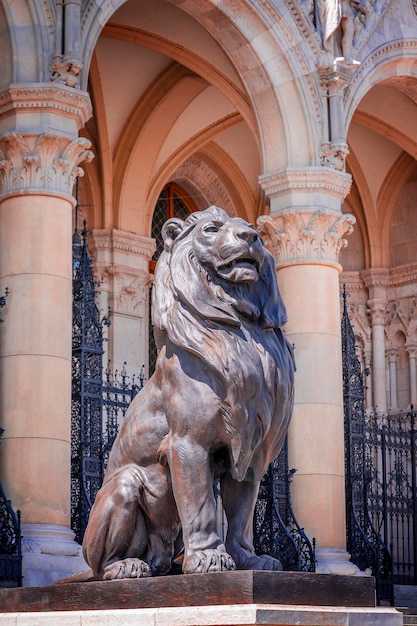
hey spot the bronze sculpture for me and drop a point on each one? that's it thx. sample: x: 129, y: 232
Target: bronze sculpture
x: 217, y: 406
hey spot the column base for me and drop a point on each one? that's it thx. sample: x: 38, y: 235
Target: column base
x: 337, y: 561
x: 49, y: 554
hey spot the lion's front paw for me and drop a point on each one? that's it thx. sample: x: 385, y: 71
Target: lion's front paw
x: 203, y: 561
x: 128, y: 568
x: 264, y: 561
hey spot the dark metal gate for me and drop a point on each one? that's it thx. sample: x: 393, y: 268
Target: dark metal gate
x: 276, y: 530
x: 98, y: 403
x: 392, y: 496
x: 368, y: 472
x: 10, y: 542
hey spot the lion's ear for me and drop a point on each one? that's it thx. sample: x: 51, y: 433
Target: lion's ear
x: 170, y: 231
x: 273, y: 312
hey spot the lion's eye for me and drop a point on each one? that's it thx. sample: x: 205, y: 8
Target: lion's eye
x: 212, y: 228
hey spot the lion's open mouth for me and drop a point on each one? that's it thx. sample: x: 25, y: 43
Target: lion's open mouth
x: 242, y: 262
x: 240, y: 270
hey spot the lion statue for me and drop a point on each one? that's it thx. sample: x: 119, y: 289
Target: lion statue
x: 216, y: 408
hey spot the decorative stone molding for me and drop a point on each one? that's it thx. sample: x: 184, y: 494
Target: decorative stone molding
x: 48, y: 162
x: 122, y: 240
x: 306, y: 179
x: 375, y: 277
x: 306, y: 237
x: 207, y: 182
x: 403, y: 275
x: 377, y: 66
x: 46, y: 98
x: 352, y: 281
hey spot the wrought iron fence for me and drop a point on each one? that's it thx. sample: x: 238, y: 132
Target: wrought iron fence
x: 365, y: 542
x: 390, y: 445
x: 118, y: 391
x: 276, y: 530
x: 10, y: 542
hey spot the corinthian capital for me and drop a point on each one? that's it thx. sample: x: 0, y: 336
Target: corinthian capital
x: 377, y: 311
x: 46, y: 162
x: 295, y: 236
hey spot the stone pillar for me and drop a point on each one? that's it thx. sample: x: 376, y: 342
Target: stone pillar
x: 39, y: 156
x: 412, y: 354
x: 305, y: 232
x: 367, y: 381
x: 392, y: 365
x: 376, y: 281
x: 122, y: 263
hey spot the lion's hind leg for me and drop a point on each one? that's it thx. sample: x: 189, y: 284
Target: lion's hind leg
x: 116, y: 536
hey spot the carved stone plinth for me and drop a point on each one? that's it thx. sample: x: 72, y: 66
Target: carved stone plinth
x: 224, y: 588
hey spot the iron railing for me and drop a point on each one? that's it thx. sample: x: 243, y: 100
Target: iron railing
x: 365, y: 543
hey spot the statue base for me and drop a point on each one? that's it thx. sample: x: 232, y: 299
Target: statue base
x: 222, y: 588
x: 224, y: 599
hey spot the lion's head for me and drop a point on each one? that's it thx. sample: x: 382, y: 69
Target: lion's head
x: 217, y: 267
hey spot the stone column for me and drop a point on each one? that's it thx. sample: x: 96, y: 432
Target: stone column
x: 412, y: 354
x: 376, y: 281
x: 122, y: 263
x: 367, y: 381
x: 392, y: 365
x: 39, y: 156
x: 305, y: 232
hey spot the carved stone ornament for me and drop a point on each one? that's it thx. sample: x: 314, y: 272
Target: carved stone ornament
x: 348, y: 24
x: 306, y: 237
x: 130, y: 293
x: 46, y: 162
x: 118, y: 240
x: 306, y: 180
x: 377, y: 312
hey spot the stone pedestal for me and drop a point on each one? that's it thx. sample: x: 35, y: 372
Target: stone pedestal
x: 225, y: 598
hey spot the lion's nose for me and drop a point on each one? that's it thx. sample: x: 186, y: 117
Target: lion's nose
x: 249, y: 235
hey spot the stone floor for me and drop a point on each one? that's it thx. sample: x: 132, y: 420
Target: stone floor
x: 225, y: 615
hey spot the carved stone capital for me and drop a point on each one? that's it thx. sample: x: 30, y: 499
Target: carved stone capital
x: 41, y: 163
x: 307, y: 180
x: 412, y: 350
x: 306, y: 237
x: 392, y: 355
x: 377, y: 310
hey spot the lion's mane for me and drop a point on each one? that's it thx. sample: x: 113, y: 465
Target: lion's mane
x: 235, y: 329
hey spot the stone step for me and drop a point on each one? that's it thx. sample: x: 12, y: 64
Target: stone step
x: 409, y: 616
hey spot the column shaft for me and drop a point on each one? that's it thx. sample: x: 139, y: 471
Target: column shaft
x: 35, y: 364
x: 38, y: 167
x: 316, y: 439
